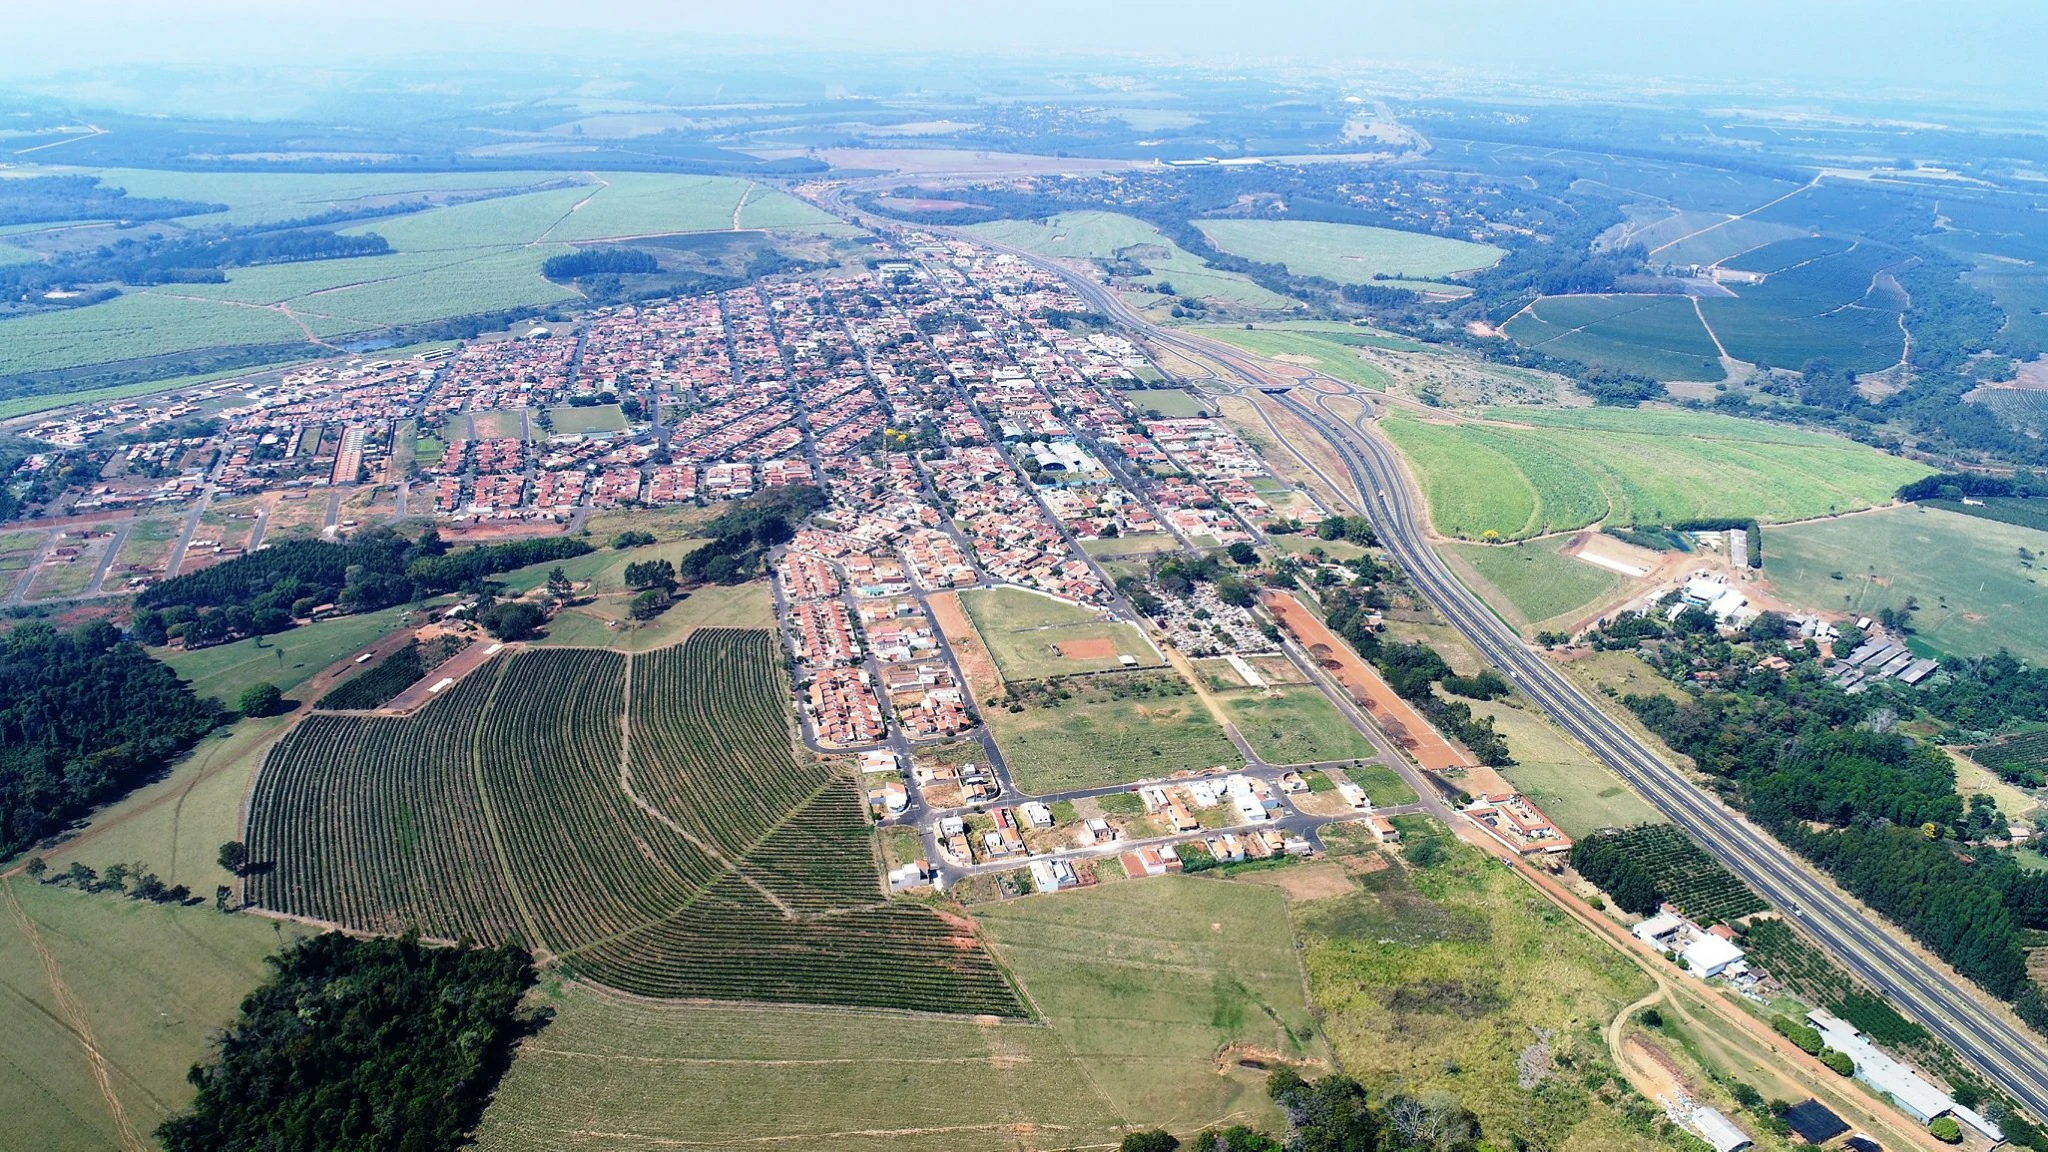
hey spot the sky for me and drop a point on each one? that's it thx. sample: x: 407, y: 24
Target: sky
x: 1974, y: 50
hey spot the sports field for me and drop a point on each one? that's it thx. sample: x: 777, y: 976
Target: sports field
x: 1126, y: 726
x: 1529, y: 471
x: 1979, y: 597
x: 1293, y: 724
x: 1329, y: 353
x: 1457, y: 978
x: 147, y: 985
x: 1347, y: 253
x: 1537, y: 581
x: 1107, y: 235
x: 286, y: 659
x: 597, y: 418
x: 1033, y: 636
x: 1656, y: 336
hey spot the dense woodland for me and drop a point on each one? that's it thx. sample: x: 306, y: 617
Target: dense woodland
x: 84, y: 717
x: 58, y: 199
x: 270, y: 590
x: 377, y: 1045
x: 742, y: 535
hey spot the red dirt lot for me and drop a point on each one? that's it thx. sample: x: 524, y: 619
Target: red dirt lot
x: 1395, y: 716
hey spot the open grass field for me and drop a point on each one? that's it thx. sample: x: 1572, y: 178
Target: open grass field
x: 614, y: 1075
x: 597, y: 418
x: 1539, y: 470
x: 1328, y: 353
x: 286, y: 659
x: 1293, y: 724
x: 1106, y: 235
x: 1347, y: 253
x: 1109, y: 732
x: 1577, y: 792
x: 1656, y: 336
x: 647, y: 819
x: 1977, y: 599
x: 1172, y: 403
x: 148, y: 984
x: 1033, y: 637
x: 456, y: 260
x: 1149, y: 983
x: 1533, y: 581
x: 1454, y: 978
x: 607, y: 623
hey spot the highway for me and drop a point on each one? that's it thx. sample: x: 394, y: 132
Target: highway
x: 1986, y: 1034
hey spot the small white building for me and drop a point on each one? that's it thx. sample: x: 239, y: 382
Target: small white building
x: 1718, y: 1130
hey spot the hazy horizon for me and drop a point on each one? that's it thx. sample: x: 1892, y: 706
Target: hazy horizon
x: 1970, y: 53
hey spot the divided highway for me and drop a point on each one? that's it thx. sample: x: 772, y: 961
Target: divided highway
x: 1984, y: 1033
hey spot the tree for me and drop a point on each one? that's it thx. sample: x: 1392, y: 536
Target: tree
x: 234, y: 856
x: 1156, y: 1140
x: 36, y: 867
x: 260, y: 700
x: 651, y: 603
x: 1839, y: 1062
x: 558, y: 583
x: 651, y: 574
x: 513, y: 620
x: 1946, y: 1130
x: 1243, y: 554
x: 221, y: 896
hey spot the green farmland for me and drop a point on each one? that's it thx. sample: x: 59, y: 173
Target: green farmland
x: 459, y: 259
x: 1348, y: 253
x: 1293, y: 724
x: 1107, y: 235
x: 1533, y: 471
x: 1655, y: 336
x: 1536, y: 579
x: 1329, y: 353
x: 1981, y: 596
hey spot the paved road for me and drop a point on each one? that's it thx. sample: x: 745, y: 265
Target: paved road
x: 1985, y: 1033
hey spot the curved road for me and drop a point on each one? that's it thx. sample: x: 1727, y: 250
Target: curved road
x: 1986, y: 1034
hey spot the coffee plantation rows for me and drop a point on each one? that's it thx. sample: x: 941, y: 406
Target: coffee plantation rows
x: 691, y: 852
x: 1684, y: 875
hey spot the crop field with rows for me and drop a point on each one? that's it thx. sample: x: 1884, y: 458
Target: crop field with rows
x: 690, y: 852
x: 2020, y: 756
x: 1693, y: 881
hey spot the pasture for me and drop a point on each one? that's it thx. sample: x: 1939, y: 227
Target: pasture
x: 287, y: 659
x: 1108, y: 235
x: 647, y: 819
x: 149, y: 984
x: 1981, y: 596
x: 1293, y: 724
x: 1531, y: 471
x: 1578, y: 793
x: 1533, y: 581
x: 1348, y: 253
x: 1113, y: 728
x: 1174, y: 403
x: 1328, y: 353
x: 1148, y: 982
x: 1032, y: 636
x: 1656, y: 336
x: 1456, y: 977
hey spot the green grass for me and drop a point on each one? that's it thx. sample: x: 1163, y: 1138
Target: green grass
x: 1294, y: 724
x: 1147, y: 982
x: 596, y: 418
x: 134, y: 325
x: 1021, y: 628
x: 1437, y: 980
x: 1578, y: 794
x: 286, y: 659
x: 1103, y: 235
x: 1656, y: 336
x: 153, y: 983
x: 1572, y: 467
x: 1169, y: 403
x: 613, y: 1075
x: 1323, y: 352
x: 1097, y: 738
x: 1537, y: 581
x: 1975, y: 595
x: 1383, y: 786
x: 607, y: 623
x: 1347, y: 253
